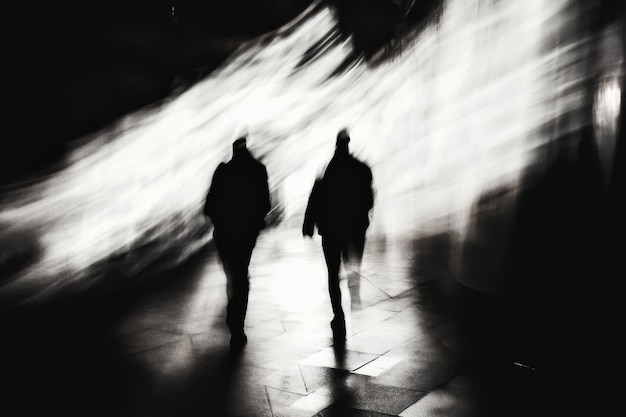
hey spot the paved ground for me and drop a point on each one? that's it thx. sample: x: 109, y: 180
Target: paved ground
x: 161, y: 348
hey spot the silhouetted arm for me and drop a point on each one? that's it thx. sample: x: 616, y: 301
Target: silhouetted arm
x: 267, y: 203
x: 310, y: 215
x: 369, y: 197
x: 210, y: 204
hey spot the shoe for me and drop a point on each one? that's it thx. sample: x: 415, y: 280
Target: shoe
x: 338, y: 326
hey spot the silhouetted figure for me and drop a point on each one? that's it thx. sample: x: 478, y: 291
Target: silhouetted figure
x: 339, y: 206
x: 237, y: 203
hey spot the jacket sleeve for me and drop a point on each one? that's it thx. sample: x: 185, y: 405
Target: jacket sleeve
x: 213, y: 194
x: 312, y: 210
x: 369, y: 190
x: 265, y: 195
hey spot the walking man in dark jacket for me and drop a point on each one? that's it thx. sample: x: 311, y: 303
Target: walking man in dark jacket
x: 237, y: 203
x: 339, y: 206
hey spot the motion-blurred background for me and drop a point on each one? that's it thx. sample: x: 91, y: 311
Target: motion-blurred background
x: 494, y: 124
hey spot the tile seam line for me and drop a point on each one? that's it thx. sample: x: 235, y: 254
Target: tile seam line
x: 371, y: 283
x: 302, y: 376
x: 267, y: 395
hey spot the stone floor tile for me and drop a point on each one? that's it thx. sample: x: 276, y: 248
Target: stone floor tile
x: 376, y: 340
x: 391, y: 287
x: 329, y: 358
x: 399, y: 302
x: 288, y: 379
x: 306, y: 406
x: 453, y: 399
x: 393, y: 331
x: 422, y: 374
x: 250, y: 401
x: 267, y: 361
x: 169, y: 359
x: 261, y: 313
x: 258, y: 333
x: 316, y: 378
x: 203, y: 324
x: 280, y: 400
x: 338, y: 409
x: 273, y: 324
x: 369, y: 317
x: 148, y: 339
x: 418, y: 347
x: 378, y: 366
x: 216, y: 338
x: 308, y: 323
x: 363, y: 293
x: 364, y: 394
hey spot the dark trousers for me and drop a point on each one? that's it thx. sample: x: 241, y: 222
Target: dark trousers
x: 235, y: 253
x: 336, y: 249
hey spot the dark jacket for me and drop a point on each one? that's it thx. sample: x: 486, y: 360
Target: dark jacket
x: 340, y: 201
x: 238, y: 199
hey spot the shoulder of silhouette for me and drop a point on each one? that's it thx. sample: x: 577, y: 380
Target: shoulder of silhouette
x: 257, y: 162
x: 220, y: 168
x: 359, y: 162
x: 361, y: 166
x: 258, y: 167
x: 249, y: 159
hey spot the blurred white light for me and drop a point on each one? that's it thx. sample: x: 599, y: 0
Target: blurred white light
x: 459, y: 111
x: 606, y: 111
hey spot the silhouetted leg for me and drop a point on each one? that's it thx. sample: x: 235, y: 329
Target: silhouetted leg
x: 352, y: 254
x: 229, y: 270
x: 225, y: 249
x: 241, y: 283
x: 332, y: 254
x: 238, y: 303
x: 235, y: 255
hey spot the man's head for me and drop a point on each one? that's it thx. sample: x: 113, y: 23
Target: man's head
x: 343, y: 139
x: 239, y: 145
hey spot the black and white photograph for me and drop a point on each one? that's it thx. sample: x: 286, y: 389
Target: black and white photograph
x: 312, y: 208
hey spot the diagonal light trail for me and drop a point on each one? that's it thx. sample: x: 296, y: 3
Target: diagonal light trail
x: 460, y: 110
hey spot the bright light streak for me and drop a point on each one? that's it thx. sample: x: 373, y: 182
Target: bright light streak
x: 459, y: 111
x: 607, y: 104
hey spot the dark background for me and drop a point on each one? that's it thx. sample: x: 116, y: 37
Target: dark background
x: 70, y: 67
